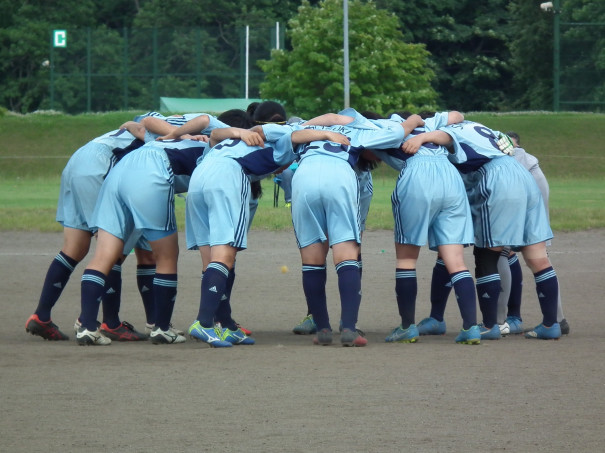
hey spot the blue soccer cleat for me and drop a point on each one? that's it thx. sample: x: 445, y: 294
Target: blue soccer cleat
x: 515, y: 325
x: 541, y: 332
x: 472, y: 335
x: 211, y: 335
x: 306, y: 326
x: 401, y: 335
x: 430, y: 326
x: 492, y: 333
x: 237, y: 337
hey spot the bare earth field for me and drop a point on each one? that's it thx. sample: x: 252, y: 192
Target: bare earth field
x: 286, y: 395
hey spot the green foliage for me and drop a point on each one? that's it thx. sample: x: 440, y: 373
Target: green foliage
x: 467, y: 41
x: 385, y: 73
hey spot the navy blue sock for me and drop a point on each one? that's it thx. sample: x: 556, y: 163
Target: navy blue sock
x: 164, y: 295
x: 547, y: 287
x: 145, y: 275
x: 112, y: 297
x: 214, y: 282
x: 488, y: 290
x: 516, y: 287
x: 441, y: 286
x: 406, y: 289
x: 57, y: 277
x: 314, y: 286
x: 223, y: 313
x: 464, y: 287
x: 93, y: 288
x: 349, y: 286
x: 360, y: 263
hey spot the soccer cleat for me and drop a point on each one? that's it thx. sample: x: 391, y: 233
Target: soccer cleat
x: 492, y: 333
x: 124, y: 332
x: 515, y: 324
x: 472, y: 335
x: 350, y: 337
x: 149, y: 328
x: 306, y: 326
x: 288, y: 205
x: 78, y: 324
x: 243, y: 329
x: 541, y: 332
x: 564, y: 327
x: 430, y: 326
x: 47, y: 330
x: 236, y: 337
x: 359, y: 331
x: 324, y: 337
x: 211, y: 335
x: 85, y: 337
x: 159, y: 336
x: 504, y: 329
x: 401, y: 335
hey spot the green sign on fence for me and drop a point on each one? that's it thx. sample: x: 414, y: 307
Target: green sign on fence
x: 59, y: 38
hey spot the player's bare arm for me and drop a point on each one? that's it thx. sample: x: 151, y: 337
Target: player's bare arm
x: 192, y: 127
x: 311, y: 135
x: 454, y: 117
x: 412, y: 145
x: 329, y: 119
x: 136, y: 129
x: 157, y: 125
x: 252, y: 137
x: 411, y: 123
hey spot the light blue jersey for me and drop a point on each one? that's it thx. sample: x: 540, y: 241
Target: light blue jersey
x: 218, y: 202
x: 474, y: 144
x: 506, y: 203
x: 396, y: 158
x: 255, y: 160
x: 361, y: 132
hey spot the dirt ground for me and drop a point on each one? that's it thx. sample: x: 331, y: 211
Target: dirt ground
x: 286, y: 395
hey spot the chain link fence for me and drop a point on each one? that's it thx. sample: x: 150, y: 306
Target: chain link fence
x: 103, y: 70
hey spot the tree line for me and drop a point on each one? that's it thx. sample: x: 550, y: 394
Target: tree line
x: 495, y: 55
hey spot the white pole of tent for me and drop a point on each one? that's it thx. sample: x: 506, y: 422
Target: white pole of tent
x: 277, y: 35
x: 247, y: 57
x: 345, y: 13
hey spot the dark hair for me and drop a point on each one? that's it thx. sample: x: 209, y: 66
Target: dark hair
x: 251, y: 108
x: 403, y: 114
x: 269, y: 112
x: 236, y: 118
x: 372, y: 115
x: 515, y: 136
x: 427, y: 114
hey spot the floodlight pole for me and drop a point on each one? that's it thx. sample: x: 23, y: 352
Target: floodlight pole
x: 345, y: 14
x: 556, y: 55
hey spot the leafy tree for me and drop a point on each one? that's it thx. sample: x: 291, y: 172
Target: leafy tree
x: 582, y: 54
x: 468, y: 45
x: 385, y: 73
x: 531, y: 55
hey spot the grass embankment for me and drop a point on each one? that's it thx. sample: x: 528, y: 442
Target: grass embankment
x: 36, y: 147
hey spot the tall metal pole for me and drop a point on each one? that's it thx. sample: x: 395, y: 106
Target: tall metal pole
x: 556, y: 55
x: 345, y: 14
x: 247, y: 57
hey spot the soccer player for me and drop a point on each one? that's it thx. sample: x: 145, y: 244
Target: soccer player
x: 325, y: 214
x: 137, y: 200
x: 81, y: 182
x: 430, y: 205
x: 509, y: 268
x: 489, y: 173
x: 217, y: 214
